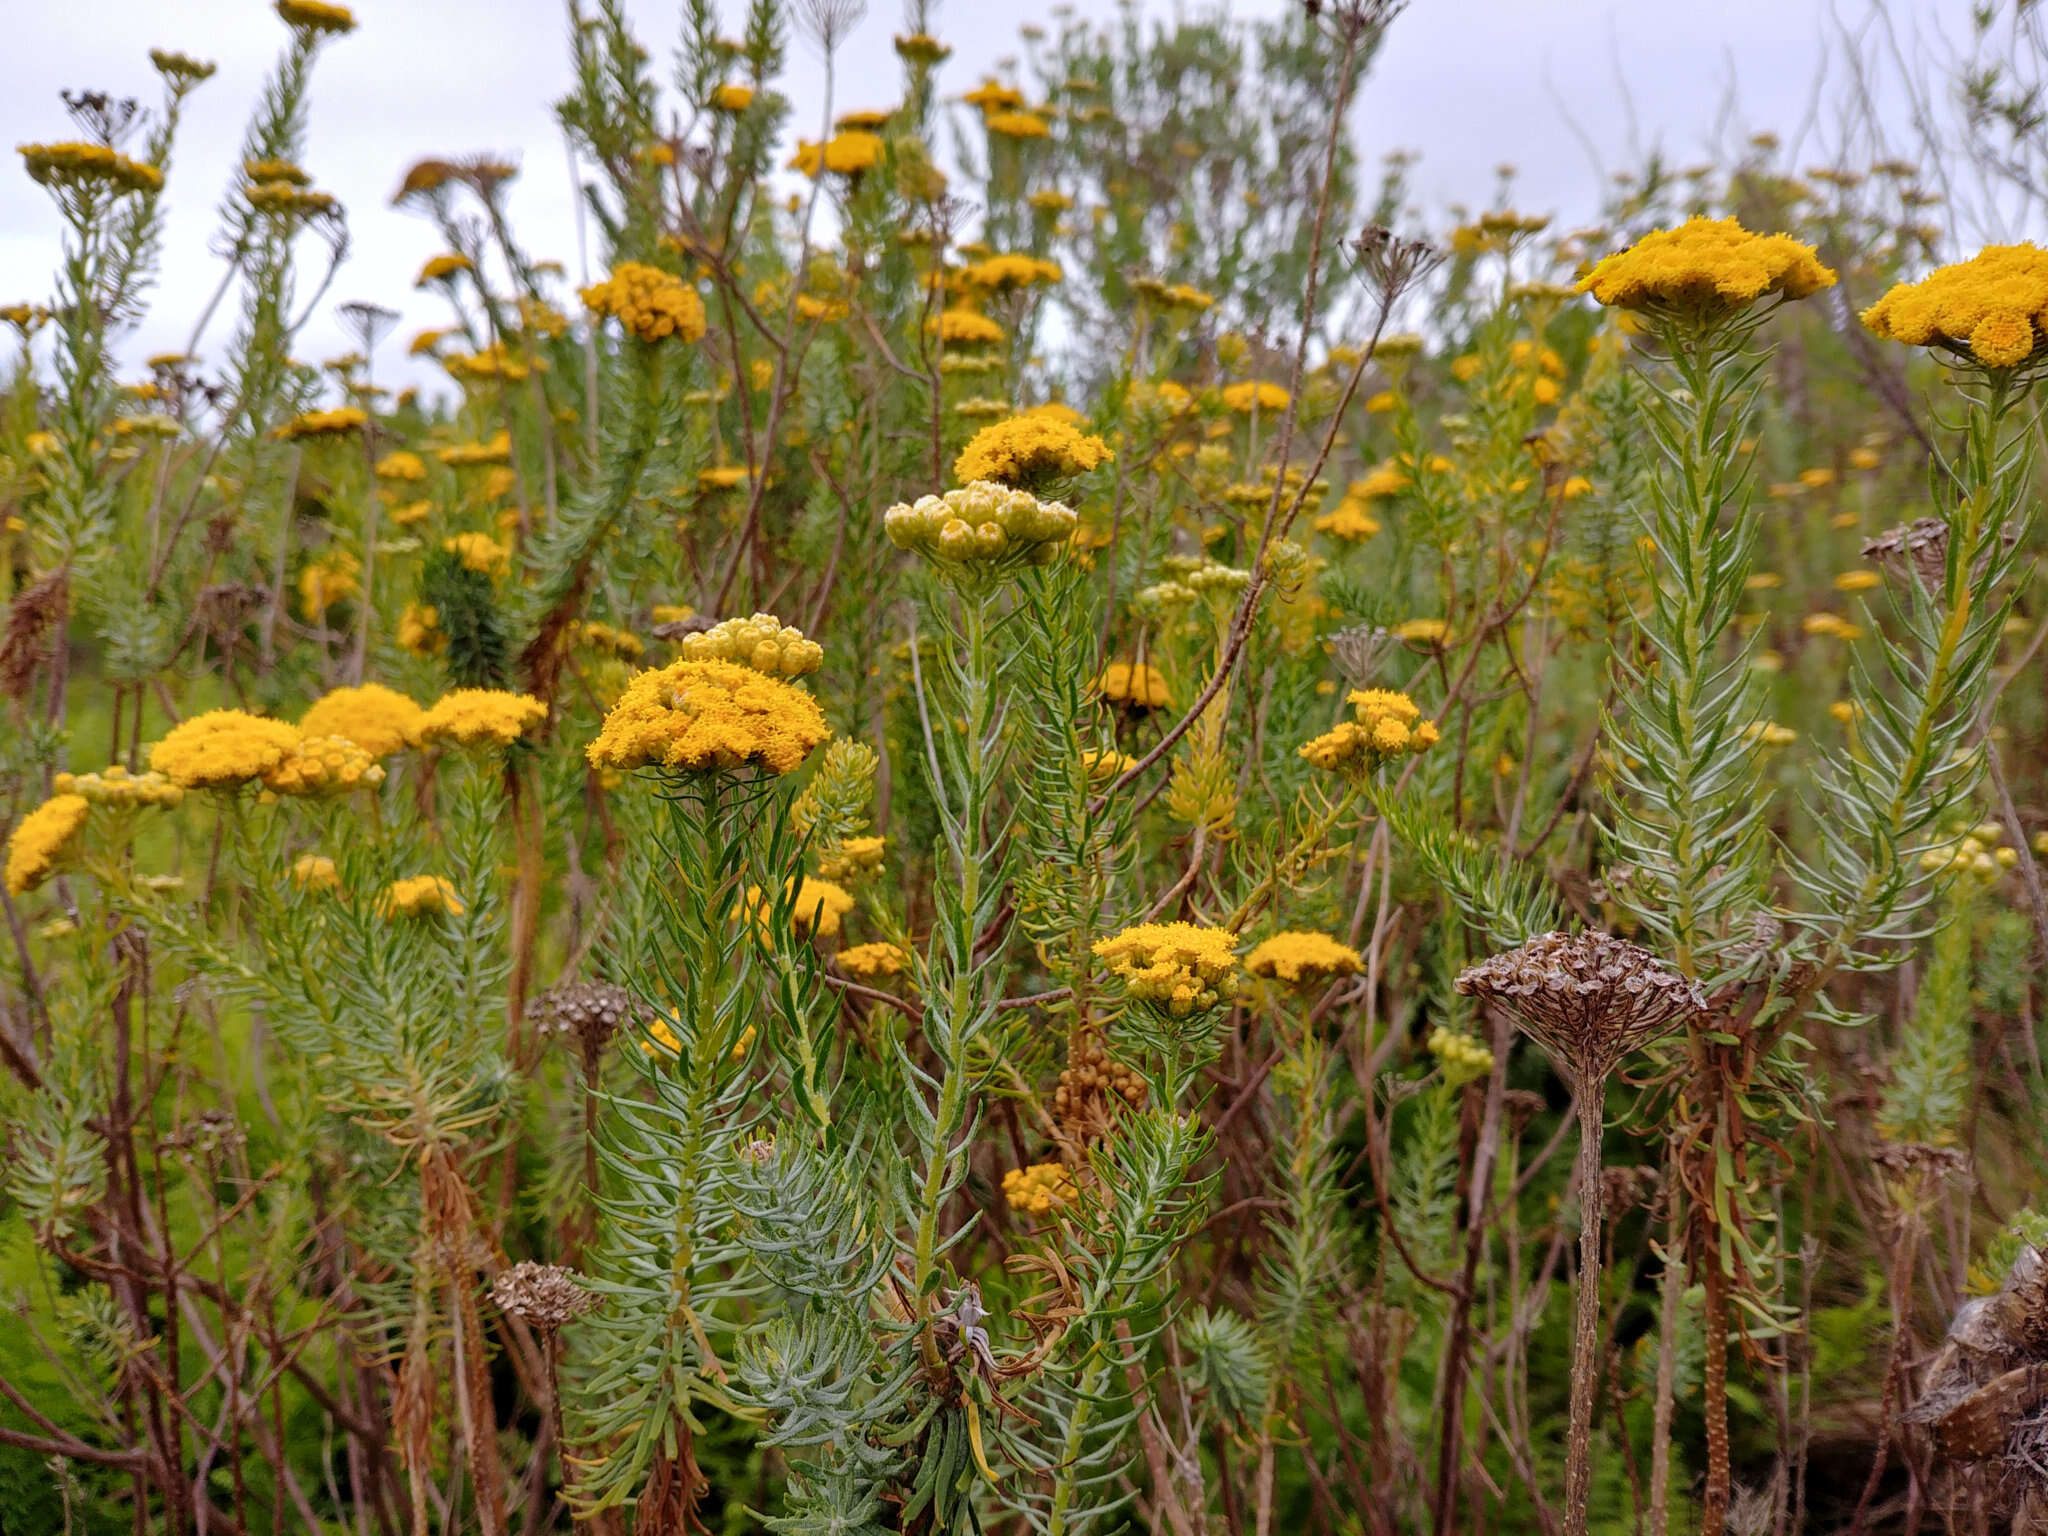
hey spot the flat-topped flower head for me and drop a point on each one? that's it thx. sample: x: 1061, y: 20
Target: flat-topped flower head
x: 762, y: 642
x: 982, y: 528
x: 1303, y: 959
x: 709, y: 717
x: 1991, y: 310
x: 1133, y: 685
x: 316, y: 872
x: 380, y: 720
x: 1587, y: 998
x: 481, y: 717
x: 420, y: 896
x: 1039, y: 1189
x: 335, y: 423
x: 650, y: 303
x: 72, y: 164
x: 116, y: 786
x: 319, y: 766
x: 1179, y: 968
x: 816, y: 906
x: 1030, y: 452
x: 43, y: 840
x: 844, y: 154
x: 1385, y: 725
x: 1706, y: 265
x: 222, y: 749
x: 316, y: 16
x: 872, y: 962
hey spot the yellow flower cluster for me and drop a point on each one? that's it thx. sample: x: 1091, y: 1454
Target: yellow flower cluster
x: 853, y: 858
x: 1995, y: 305
x: 1106, y: 765
x: 1386, y: 725
x: 818, y: 906
x: 1303, y: 958
x: 1706, y: 263
x: 872, y: 962
x: 1029, y: 451
x: 495, y: 450
x: 1463, y: 1059
x: 650, y: 303
x: 419, y: 896
x: 1009, y: 270
x: 326, y: 581
x: 42, y: 840
x: 762, y: 642
x: 479, y: 552
x: 335, y: 423
x: 1979, y: 852
x: 698, y: 716
x: 117, y: 786
x: 964, y: 328
x: 222, y: 749
x: 844, y: 154
x: 73, y: 162
x: 317, y: 16
x: 1017, y: 125
x: 323, y: 765
x: 1178, y: 967
x: 1133, y: 685
x: 982, y: 524
x: 400, y: 464
x: 732, y: 97
x: 380, y: 720
x: 1253, y: 395
x: 419, y: 630
x: 474, y: 717
x: 442, y: 267
x: 1038, y: 1189
x: 315, y: 872
x: 1349, y: 521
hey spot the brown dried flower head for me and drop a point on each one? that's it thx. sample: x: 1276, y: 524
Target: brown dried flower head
x: 1587, y: 998
x: 592, y: 1011
x: 543, y: 1296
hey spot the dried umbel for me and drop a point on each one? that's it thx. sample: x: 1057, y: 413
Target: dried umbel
x: 592, y: 1011
x: 1588, y: 999
x: 543, y: 1296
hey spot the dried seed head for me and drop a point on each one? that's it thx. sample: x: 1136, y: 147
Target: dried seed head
x: 1392, y: 264
x: 1358, y: 651
x: 591, y: 1011
x: 543, y: 1296
x: 1588, y: 999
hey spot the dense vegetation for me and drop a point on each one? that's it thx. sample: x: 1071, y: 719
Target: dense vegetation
x: 1040, y: 823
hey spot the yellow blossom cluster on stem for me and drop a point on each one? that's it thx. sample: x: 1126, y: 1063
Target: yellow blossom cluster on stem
x: 650, y: 303
x: 1303, y: 959
x: 474, y: 717
x: 762, y: 642
x: 709, y: 716
x: 1180, y: 968
x: 1255, y: 395
x: 70, y: 163
x: 338, y: 422
x: 983, y: 524
x: 380, y: 720
x: 420, y: 896
x: 315, y: 872
x: 1706, y: 264
x: 479, y: 552
x: 1039, y: 1189
x: 872, y: 962
x: 317, y: 16
x: 1133, y: 685
x: 323, y: 765
x: 43, y: 839
x: 1386, y: 725
x: 816, y: 909
x: 1994, y: 307
x: 1462, y: 1058
x: 115, y: 785
x: 222, y: 749
x: 853, y: 858
x: 1029, y: 451
x: 844, y: 154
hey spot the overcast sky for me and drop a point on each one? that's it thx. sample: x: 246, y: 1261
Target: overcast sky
x: 1466, y: 83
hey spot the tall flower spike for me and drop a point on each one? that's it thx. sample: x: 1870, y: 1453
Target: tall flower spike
x: 1588, y: 999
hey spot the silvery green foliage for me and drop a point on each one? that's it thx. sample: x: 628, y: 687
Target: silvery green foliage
x: 1227, y: 1363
